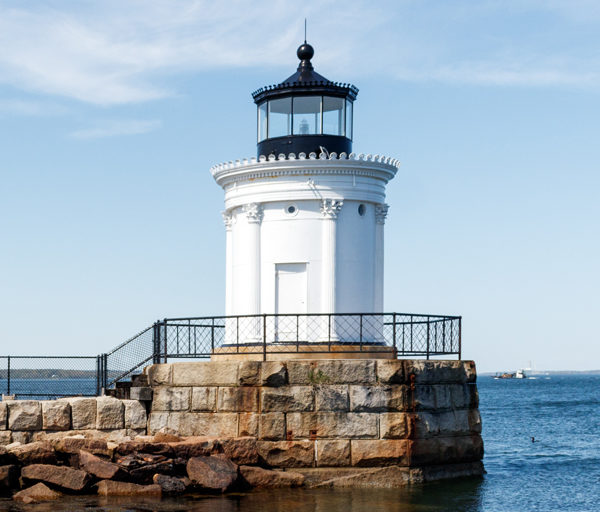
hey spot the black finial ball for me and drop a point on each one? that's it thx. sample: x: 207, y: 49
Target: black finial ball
x: 305, y: 52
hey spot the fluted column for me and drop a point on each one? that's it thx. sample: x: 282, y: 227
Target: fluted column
x: 254, y: 214
x: 381, y: 211
x: 228, y: 220
x: 330, y: 209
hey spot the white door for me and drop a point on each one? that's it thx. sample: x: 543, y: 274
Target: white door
x: 290, y: 301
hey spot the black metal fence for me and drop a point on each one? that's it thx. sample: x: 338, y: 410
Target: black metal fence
x: 50, y: 376
x: 398, y: 334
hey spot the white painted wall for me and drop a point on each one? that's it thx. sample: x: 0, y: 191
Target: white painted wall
x: 326, y: 225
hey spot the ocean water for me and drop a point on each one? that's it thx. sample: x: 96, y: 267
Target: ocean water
x: 558, y: 472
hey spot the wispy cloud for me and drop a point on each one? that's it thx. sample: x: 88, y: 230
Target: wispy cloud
x: 127, y: 51
x: 30, y: 107
x: 116, y: 128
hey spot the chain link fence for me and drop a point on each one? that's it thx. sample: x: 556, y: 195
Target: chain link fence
x: 40, y: 377
x: 396, y: 334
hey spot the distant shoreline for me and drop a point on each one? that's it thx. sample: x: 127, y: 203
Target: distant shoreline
x: 549, y: 372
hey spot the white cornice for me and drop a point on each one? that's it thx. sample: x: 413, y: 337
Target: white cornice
x: 375, y: 166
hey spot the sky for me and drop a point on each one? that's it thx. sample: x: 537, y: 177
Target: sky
x: 113, y: 112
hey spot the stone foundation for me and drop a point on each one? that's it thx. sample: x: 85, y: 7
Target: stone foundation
x: 338, y: 422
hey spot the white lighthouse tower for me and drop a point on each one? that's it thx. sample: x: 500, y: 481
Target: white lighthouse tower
x: 305, y: 218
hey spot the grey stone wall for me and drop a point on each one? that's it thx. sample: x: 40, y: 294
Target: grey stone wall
x: 326, y: 413
x: 35, y: 420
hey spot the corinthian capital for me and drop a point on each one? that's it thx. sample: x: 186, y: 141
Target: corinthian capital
x: 227, y: 219
x: 381, y: 211
x: 254, y: 212
x: 331, y: 207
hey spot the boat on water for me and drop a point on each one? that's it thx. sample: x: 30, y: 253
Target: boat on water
x: 519, y: 374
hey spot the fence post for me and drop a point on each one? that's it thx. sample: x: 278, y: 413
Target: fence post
x: 427, y: 337
x: 212, y: 337
x: 98, y: 373
x: 459, y: 338
x: 394, y: 335
x: 155, y: 343
x: 104, y: 371
x: 361, y: 332
x: 165, y: 343
x: 264, y: 337
x: 8, y: 376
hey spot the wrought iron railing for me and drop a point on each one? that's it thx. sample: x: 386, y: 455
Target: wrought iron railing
x: 398, y: 335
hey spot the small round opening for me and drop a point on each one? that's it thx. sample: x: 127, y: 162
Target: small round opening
x: 362, y: 209
x: 291, y: 209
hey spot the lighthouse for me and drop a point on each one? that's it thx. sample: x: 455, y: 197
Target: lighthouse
x: 305, y: 218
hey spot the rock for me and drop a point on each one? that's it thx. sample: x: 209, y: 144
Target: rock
x: 474, y: 419
x: 378, y: 398
x: 240, y: 450
x: 393, y: 425
x: 196, y: 447
x: 273, y: 374
x: 169, y: 484
x: 271, y: 426
x: 165, y: 438
x: 143, y: 394
x: 287, y: 399
x: 212, y: 473
x: 5, y: 437
x: 142, y: 466
x: 73, y: 444
x: 223, y: 424
x: 56, y: 415
x: 380, y: 452
x: 159, y: 374
x: 24, y: 415
x: 171, y: 399
x: 390, y: 372
x: 265, y: 478
x: 332, y: 371
x: 332, y: 425
x: 287, y: 454
x: 110, y: 413
x: 135, y: 414
x: 332, y: 398
x: 240, y: 399
x: 83, y: 413
x: 214, y: 373
x: 248, y: 424
x: 61, y: 476
x: 157, y: 448
x: 96, y: 466
x: 391, y: 477
x: 114, y: 488
x: 3, y: 416
x: 441, y: 371
x: 22, y: 437
x: 470, y: 371
x: 37, y: 493
x: 446, y: 450
x: 204, y: 399
x: 333, y: 453
x: 9, y: 475
x: 39, y: 452
x: 249, y: 373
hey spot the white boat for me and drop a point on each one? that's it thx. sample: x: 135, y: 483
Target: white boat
x: 520, y: 374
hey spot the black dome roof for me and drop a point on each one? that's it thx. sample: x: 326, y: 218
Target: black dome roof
x: 304, y: 80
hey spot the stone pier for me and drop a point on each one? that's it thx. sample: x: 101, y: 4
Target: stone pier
x: 337, y: 422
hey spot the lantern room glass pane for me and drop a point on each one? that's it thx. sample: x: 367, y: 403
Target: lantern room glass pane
x: 333, y: 116
x: 349, y: 119
x: 262, y: 121
x: 280, y: 118
x: 307, y: 115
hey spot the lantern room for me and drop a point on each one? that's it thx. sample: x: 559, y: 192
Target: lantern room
x: 306, y: 113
